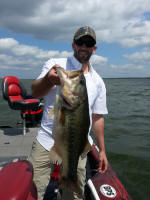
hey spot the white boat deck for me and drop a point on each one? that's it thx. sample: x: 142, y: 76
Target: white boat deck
x: 13, y: 144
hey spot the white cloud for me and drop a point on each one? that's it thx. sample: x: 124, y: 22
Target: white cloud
x: 22, y: 51
x: 126, y: 67
x: 142, y: 57
x: 24, y: 60
x: 138, y: 66
x: 7, y: 43
x: 122, y: 22
x: 128, y: 70
x: 96, y: 59
x: 125, y: 23
x: 136, y: 34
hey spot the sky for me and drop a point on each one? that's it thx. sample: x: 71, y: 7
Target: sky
x: 33, y: 31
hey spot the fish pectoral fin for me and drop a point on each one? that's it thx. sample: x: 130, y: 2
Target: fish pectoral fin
x: 87, y: 148
x: 55, y: 156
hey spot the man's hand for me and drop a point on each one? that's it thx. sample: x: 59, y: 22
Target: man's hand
x: 52, y: 76
x: 42, y: 86
x: 103, y: 162
x: 98, y: 128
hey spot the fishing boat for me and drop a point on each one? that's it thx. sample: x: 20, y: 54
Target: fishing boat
x: 16, y: 182
x: 16, y: 178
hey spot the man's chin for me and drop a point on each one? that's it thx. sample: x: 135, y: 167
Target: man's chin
x: 84, y: 60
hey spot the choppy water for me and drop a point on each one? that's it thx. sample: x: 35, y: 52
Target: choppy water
x: 127, y: 131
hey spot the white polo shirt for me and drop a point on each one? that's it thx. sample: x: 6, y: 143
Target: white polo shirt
x: 96, y: 96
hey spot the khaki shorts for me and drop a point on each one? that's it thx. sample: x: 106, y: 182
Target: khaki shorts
x: 42, y: 166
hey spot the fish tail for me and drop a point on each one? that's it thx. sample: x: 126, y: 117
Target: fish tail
x: 71, y: 185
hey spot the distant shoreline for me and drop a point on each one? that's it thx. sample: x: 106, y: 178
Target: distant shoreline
x: 102, y: 77
x: 129, y: 78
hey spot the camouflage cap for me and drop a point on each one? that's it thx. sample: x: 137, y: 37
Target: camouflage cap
x: 86, y: 30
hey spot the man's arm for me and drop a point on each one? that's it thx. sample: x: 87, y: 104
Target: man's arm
x: 42, y: 86
x: 98, y: 128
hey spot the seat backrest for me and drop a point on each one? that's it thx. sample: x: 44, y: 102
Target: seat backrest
x: 13, y: 89
x: 16, y: 181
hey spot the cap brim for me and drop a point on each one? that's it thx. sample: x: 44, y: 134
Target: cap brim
x: 80, y: 36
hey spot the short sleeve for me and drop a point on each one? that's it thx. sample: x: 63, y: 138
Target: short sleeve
x: 100, y: 106
x: 46, y: 67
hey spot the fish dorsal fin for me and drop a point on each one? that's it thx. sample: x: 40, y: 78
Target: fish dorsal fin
x: 55, y: 156
x: 87, y: 148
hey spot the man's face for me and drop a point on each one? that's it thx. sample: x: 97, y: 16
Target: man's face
x: 83, y: 49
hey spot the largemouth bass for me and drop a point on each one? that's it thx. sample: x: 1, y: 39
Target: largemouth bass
x: 71, y: 124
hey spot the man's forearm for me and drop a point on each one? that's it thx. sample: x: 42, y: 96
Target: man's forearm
x: 98, y: 128
x: 41, y: 87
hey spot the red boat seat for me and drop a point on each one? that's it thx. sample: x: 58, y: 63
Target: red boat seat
x: 16, y: 181
x: 15, y: 93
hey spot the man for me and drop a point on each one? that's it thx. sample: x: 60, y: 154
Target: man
x: 84, y: 45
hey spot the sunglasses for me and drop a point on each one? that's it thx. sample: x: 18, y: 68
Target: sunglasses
x: 88, y: 43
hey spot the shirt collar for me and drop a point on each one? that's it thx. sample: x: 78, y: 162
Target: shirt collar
x: 77, y: 65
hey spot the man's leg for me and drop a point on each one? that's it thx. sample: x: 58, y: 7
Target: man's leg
x: 39, y: 158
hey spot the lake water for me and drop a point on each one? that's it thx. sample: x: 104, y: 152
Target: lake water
x: 127, y: 131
